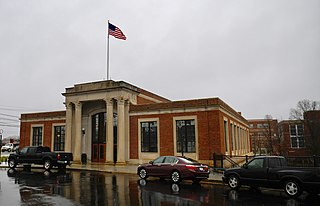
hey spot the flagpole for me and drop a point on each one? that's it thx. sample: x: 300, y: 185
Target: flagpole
x: 108, y: 53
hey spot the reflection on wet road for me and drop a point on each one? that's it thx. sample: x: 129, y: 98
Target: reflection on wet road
x: 37, y: 187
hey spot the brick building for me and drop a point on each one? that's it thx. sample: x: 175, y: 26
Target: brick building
x: 116, y: 122
x: 301, y: 138
x: 264, y: 136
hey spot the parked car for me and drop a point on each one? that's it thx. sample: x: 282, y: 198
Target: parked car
x: 41, y: 156
x: 7, y: 147
x: 273, y: 172
x: 174, y: 168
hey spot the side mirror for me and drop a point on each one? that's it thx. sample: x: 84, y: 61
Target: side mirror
x: 151, y: 162
x: 245, y: 166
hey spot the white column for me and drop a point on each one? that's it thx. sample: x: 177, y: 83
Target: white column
x: 109, y: 131
x: 68, y: 139
x: 121, y: 132
x: 78, y: 133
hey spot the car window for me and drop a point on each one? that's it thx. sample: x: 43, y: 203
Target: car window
x: 274, y: 162
x: 32, y: 150
x: 159, y: 160
x: 170, y: 160
x: 256, y: 163
x: 24, y: 150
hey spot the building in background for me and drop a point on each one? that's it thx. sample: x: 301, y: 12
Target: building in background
x: 116, y: 122
x: 264, y: 136
x: 301, y: 137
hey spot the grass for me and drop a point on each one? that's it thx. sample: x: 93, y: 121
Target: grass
x: 3, y: 159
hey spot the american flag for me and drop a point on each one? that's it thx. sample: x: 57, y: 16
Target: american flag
x: 116, y: 32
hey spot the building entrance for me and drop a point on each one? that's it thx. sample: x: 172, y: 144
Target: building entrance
x: 99, y: 137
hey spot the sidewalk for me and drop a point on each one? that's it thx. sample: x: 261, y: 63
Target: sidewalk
x: 125, y: 169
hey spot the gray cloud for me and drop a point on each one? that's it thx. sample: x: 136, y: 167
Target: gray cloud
x: 260, y: 57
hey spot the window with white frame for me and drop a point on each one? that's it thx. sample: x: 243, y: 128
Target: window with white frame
x: 226, y: 142
x: 36, y: 136
x: 186, y: 138
x: 59, y: 138
x: 149, y: 136
x: 296, y: 136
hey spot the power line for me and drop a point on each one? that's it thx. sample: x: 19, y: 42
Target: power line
x: 8, y: 125
x: 8, y: 115
x: 12, y: 120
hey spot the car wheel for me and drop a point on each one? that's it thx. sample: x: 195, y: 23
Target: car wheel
x: 12, y: 163
x: 234, y: 182
x: 292, y: 188
x: 175, y: 177
x: 143, y: 173
x: 47, y: 164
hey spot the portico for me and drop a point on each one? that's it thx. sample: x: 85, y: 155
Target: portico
x: 97, y: 121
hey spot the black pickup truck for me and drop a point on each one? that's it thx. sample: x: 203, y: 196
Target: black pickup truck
x: 273, y: 172
x: 41, y: 156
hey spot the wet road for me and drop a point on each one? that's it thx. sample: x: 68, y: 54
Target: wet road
x: 36, y: 187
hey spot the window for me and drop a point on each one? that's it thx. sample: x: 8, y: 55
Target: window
x: 256, y: 163
x: 226, y: 142
x: 159, y: 160
x: 59, y: 138
x: 274, y: 162
x: 36, y: 136
x: 186, y: 141
x: 149, y: 137
x: 296, y: 136
x: 232, y: 137
x: 170, y: 160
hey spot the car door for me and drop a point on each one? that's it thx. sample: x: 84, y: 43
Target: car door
x: 31, y: 155
x: 22, y: 155
x: 170, y: 163
x: 255, y: 172
x: 154, y: 168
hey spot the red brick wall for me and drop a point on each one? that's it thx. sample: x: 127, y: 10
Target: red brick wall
x: 286, y: 141
x: 210, y: 133
x: 133, y: 137
x: 26, y: 129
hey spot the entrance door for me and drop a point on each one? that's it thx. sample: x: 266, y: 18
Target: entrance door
x: 99, y: 137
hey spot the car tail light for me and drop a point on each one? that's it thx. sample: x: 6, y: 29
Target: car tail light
x: 58, y: 157
x: 202, y: 168
x: 191, y: 167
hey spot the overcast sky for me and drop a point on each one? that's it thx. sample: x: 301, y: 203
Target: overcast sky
x: 260, y: 57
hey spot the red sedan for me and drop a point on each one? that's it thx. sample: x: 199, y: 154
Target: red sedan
x: 174, y: 168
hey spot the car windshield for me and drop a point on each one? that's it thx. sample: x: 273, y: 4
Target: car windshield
x: 8, y: 144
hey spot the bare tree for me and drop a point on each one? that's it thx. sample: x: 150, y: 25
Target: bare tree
x: 311, y: 122
x: 269, y: 132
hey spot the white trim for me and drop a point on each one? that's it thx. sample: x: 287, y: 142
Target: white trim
x: 185, y: 110
x: 44, y: 119
x: 148, y: 155
x: 191, y: 155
